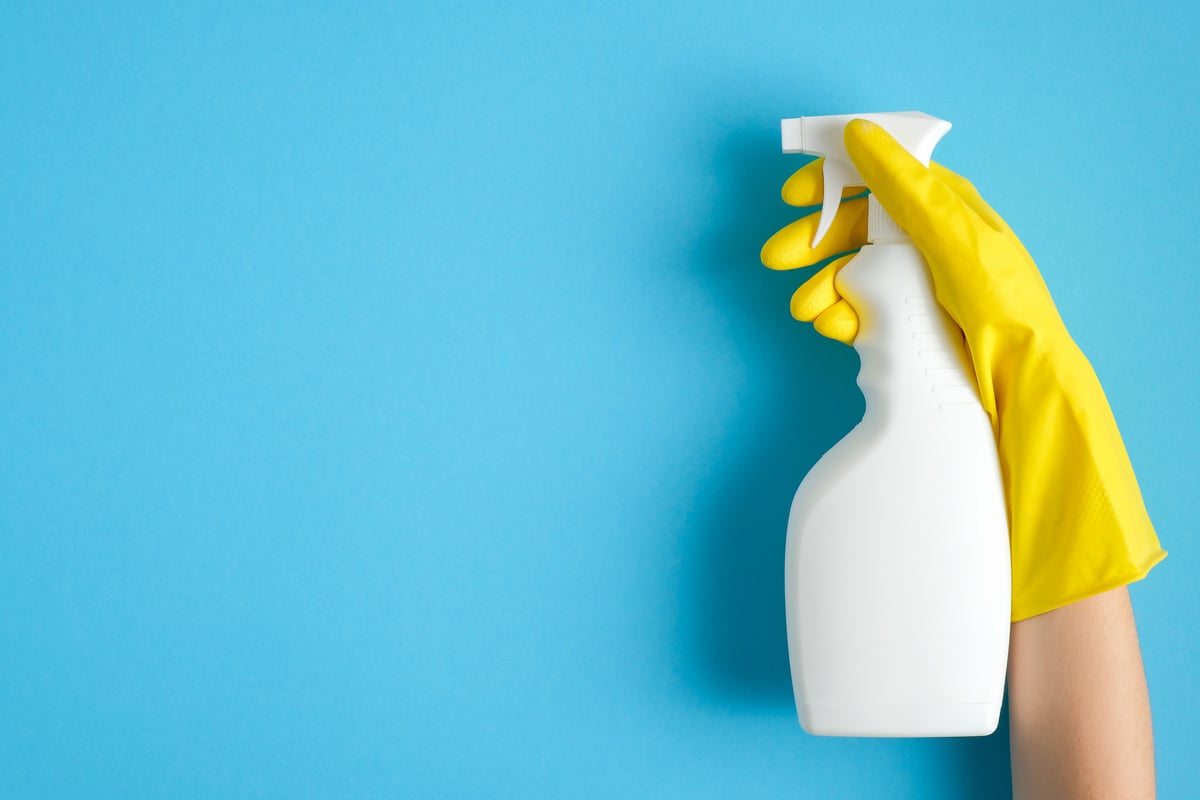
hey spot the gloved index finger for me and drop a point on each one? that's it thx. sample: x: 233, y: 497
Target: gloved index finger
x: 806, y: 186
x: 929, y: 210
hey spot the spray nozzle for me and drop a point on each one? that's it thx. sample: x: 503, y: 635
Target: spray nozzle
x: 822, y: 136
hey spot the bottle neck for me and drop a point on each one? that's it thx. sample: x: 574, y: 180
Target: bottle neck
x: 881, y: 228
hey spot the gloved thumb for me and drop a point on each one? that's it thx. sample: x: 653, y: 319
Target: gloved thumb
x: 937, y: 219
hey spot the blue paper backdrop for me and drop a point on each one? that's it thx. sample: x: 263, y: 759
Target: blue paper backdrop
x: 392, y: 403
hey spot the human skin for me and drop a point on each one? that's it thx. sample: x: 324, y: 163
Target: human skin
x: 1079, y: 710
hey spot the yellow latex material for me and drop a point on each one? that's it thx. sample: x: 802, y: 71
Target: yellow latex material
x: 1077, y: 522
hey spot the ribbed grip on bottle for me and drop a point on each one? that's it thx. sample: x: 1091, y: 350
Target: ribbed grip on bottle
x: 880, y: 226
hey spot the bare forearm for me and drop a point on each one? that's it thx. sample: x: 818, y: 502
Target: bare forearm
x: 1079, y: 712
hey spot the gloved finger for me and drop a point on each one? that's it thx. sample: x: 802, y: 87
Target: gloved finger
x: 839, y: 321
x: 970, y: 195
x: 938, y: 220
x: 805, y: 186
x: 818, y: 292
x: 791, y: 246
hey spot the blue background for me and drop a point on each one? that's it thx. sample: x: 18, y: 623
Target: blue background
x: 392, y: 403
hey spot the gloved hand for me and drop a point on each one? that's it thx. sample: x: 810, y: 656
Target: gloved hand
x: 1078, y: 524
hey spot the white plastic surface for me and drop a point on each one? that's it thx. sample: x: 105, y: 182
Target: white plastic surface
x: 823, y: 136
x: 897, y: 562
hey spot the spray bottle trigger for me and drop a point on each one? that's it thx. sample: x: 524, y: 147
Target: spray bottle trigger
x: 835, y: 176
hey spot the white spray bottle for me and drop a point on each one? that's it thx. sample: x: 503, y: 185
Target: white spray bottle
x: 897, y: 565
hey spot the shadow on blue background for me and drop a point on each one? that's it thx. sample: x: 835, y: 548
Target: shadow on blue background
x: 814, y: 403
x: 737, y: 624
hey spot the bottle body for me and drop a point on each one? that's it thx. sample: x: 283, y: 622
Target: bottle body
x: 897, y: 570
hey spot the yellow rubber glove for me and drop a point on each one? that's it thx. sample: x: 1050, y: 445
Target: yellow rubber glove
x: 1078, y: 524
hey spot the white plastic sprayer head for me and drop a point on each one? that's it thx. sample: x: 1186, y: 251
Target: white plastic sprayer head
x: 822, y: 136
